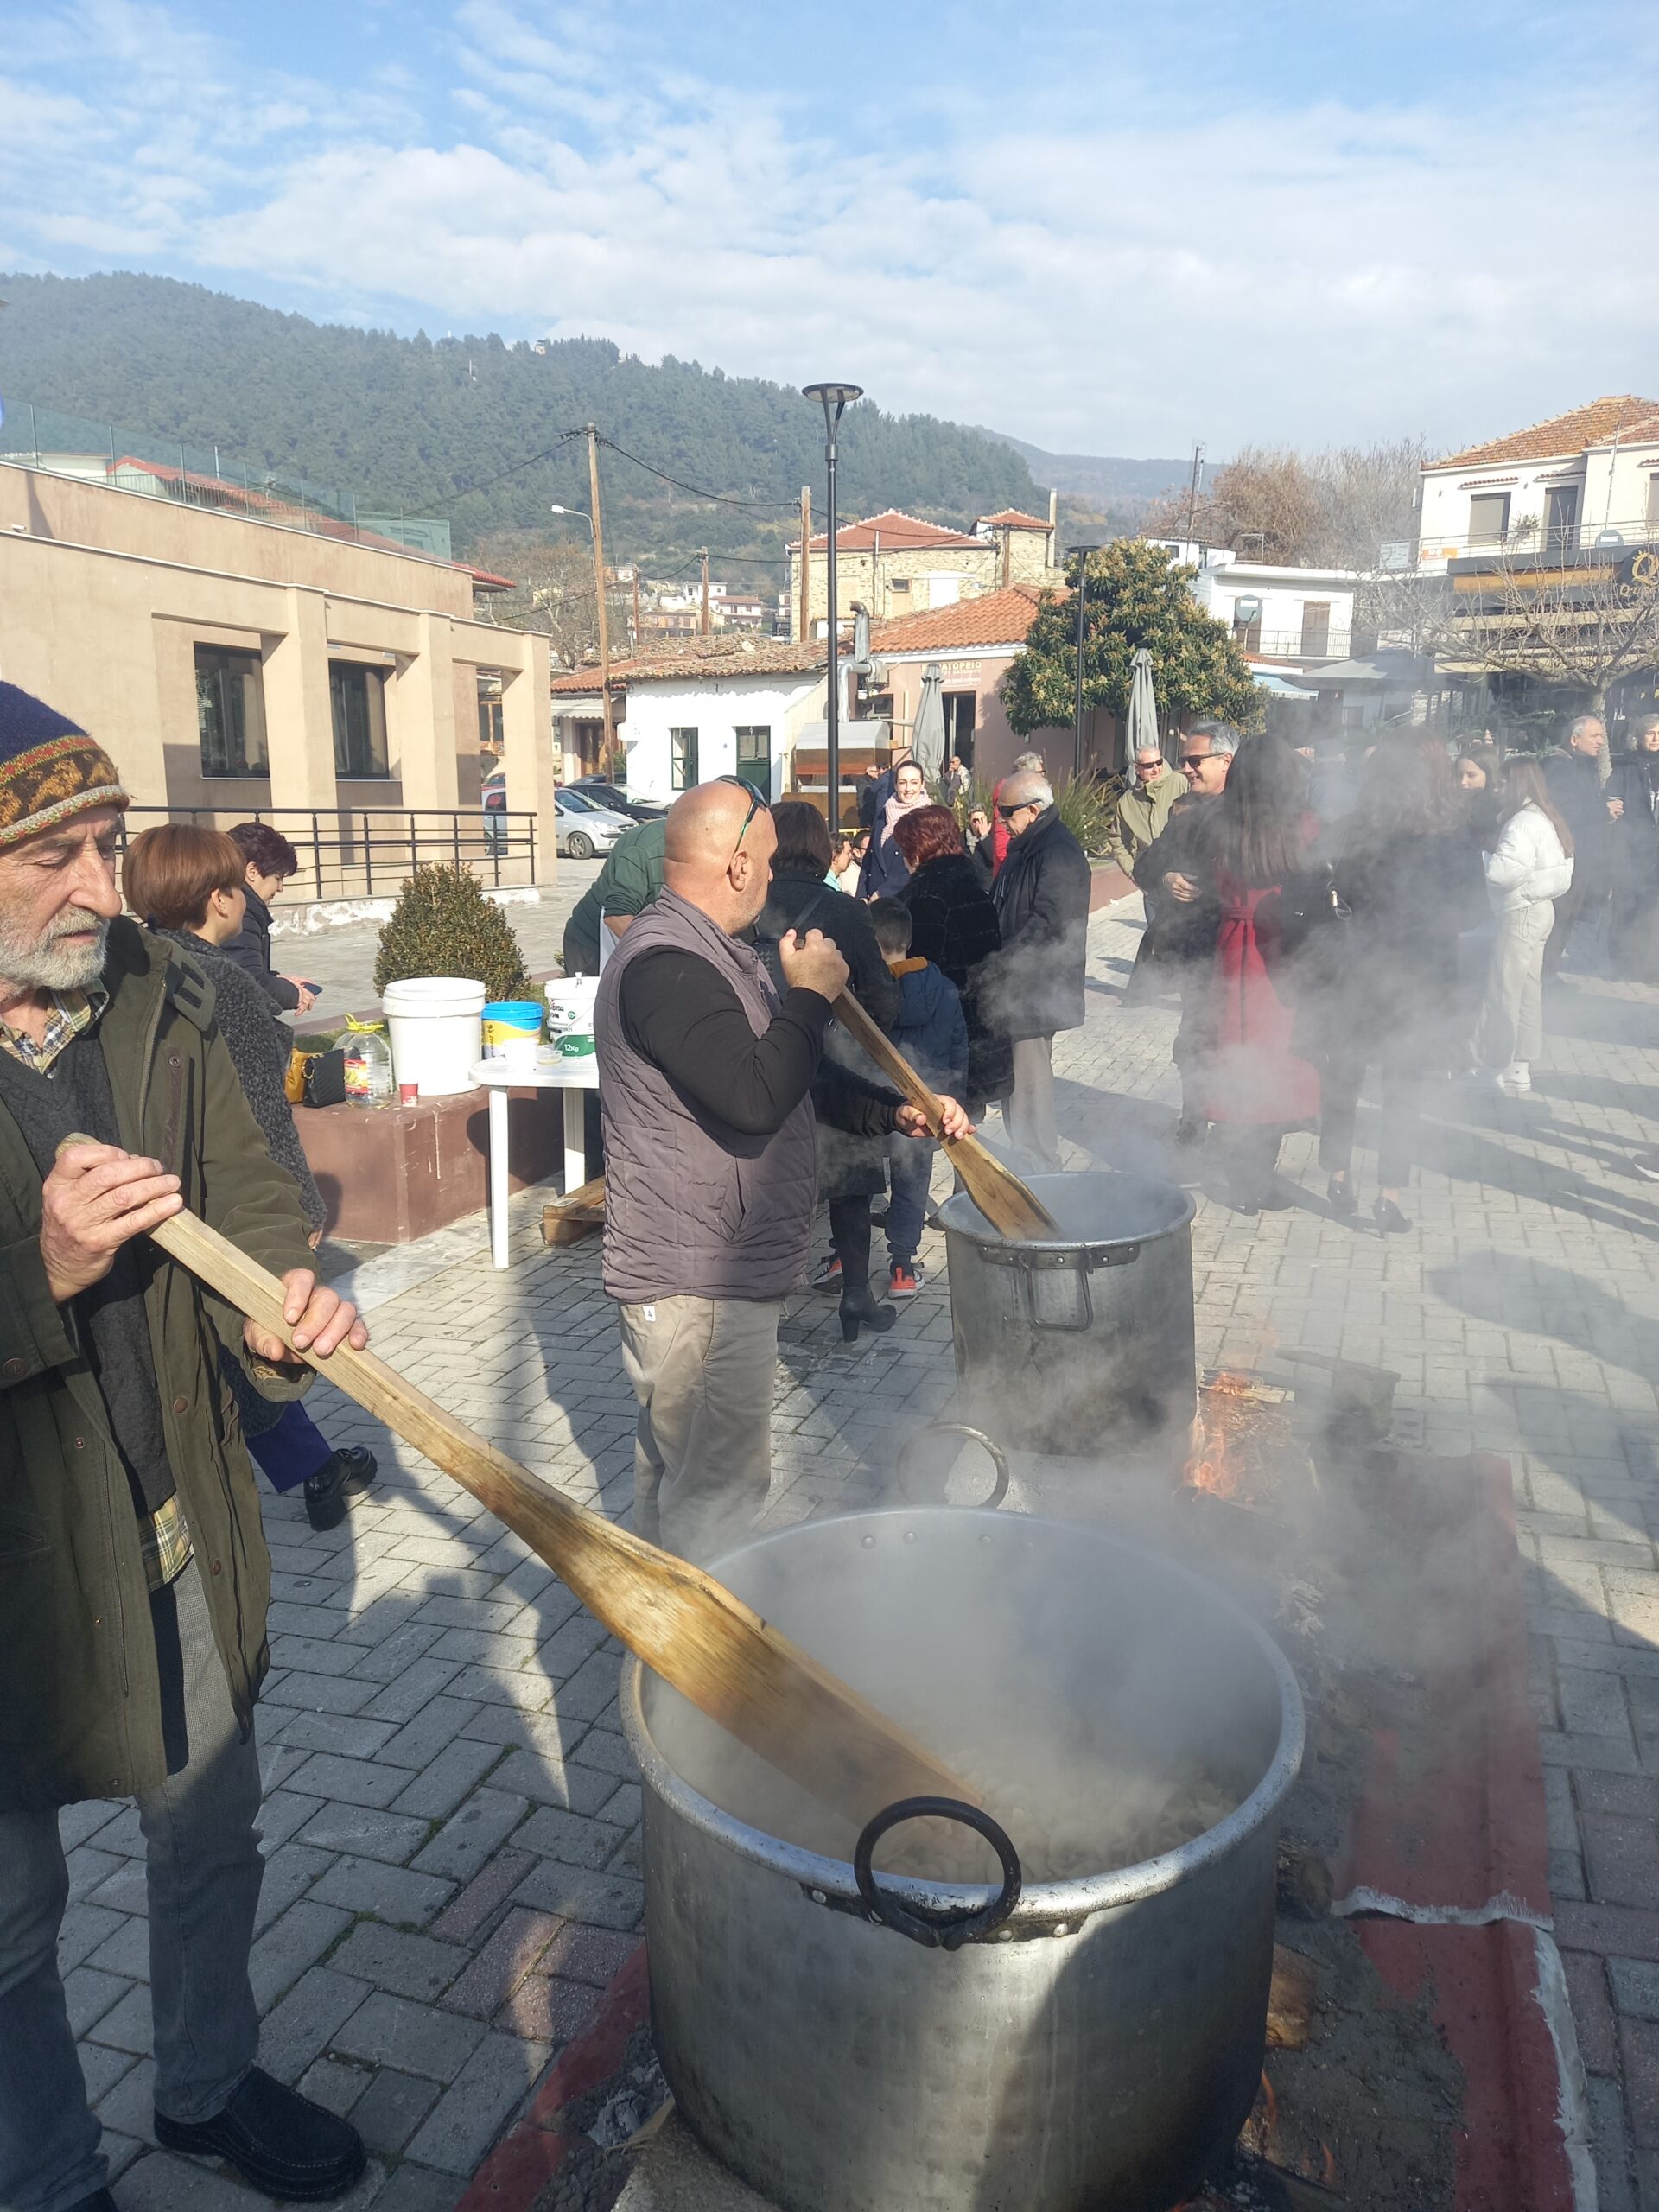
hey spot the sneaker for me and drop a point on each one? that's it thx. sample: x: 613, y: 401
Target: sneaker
x: 330, y: 1495
x: 828, y: 1274
x: 905, y: 1279
x: 1515, y: 1082
x: 280, y: 2141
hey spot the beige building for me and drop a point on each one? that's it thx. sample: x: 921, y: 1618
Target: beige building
x: 895, y: 564
x: 235, y: 666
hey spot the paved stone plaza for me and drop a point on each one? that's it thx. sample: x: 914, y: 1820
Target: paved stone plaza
x: 451, y: 1826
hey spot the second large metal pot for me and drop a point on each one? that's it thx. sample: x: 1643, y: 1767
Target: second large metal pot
x: 1085, y: 1339
x: 1097, y: 2047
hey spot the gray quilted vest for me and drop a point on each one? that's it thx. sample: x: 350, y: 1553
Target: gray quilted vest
x: 693, y: 1207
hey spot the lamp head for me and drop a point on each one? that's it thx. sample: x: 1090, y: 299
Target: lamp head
x: 835, y: 397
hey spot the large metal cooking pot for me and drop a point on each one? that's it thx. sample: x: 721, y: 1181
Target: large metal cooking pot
x: 1067, y: 1343
x: 918, y: 2044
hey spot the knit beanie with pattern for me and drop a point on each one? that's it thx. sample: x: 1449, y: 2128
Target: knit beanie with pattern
x: 49, y: 768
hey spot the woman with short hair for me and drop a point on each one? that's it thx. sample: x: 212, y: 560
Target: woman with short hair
x: 953, y: 924
x: 186, y: 884
x: 270, y: 859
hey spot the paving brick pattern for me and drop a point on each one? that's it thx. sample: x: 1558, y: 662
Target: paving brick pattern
x: 451, y: 1823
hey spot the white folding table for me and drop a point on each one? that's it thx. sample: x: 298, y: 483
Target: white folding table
x: 574, y: 1078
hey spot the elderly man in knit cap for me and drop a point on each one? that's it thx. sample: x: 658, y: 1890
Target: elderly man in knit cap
x: 135, y: 1578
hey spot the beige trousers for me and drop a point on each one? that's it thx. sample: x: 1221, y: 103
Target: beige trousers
x: 1511, y: 1026
x: 1029, y: 1116
x: 702, y: 1370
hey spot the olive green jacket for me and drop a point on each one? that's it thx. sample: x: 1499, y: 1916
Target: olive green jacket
x: 80, y: 1698
x: 1139, y: 817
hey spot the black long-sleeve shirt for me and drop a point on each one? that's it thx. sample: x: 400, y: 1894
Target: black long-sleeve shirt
x: 679, y: 1012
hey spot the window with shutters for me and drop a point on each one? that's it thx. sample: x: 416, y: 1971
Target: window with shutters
x: 1316, y: 627
x: 682, y: 760
x: 1489, y: 517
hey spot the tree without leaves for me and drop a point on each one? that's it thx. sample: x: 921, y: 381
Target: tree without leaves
x: 1137, y: 595
x: 1332, y: 510
x: 1581, y: 624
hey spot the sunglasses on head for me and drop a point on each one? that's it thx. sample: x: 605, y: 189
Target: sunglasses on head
x: 755, y: 804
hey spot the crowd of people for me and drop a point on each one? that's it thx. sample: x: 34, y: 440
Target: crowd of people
x: 1408, y: 925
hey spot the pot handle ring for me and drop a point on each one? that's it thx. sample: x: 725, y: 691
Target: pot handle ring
x: 951, y: 1933
x: 993, y: 1450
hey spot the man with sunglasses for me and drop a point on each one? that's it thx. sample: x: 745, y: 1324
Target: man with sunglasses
x: 1172, y: 872
x: 1041, y: 895
x: 711, y: 1162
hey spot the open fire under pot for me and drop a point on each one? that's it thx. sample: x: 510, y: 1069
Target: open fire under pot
x: 1083, y: 1342
x: 1052, y: 1999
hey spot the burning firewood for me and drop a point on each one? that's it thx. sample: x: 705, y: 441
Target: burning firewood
x: 1290, y: 2003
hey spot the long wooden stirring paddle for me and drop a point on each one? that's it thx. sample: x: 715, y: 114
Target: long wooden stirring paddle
x: 1003, y: 1199
x: 687, y: 1627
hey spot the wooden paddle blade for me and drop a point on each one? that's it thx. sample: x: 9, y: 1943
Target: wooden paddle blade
x: 1005, y: 1201
x: 686, y: 1626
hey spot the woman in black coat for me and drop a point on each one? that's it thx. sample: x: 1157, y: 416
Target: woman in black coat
x: 1409, y: 873
x: 953, y: 924
x: 851, y: 1169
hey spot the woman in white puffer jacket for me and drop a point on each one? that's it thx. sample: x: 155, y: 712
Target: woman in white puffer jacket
x: 1526, y: 871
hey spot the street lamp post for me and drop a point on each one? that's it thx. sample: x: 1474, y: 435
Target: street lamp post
x: 1080, y: 553
x: 834, y: 398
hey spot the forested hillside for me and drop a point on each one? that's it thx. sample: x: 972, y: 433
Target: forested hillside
x: 453, y: 427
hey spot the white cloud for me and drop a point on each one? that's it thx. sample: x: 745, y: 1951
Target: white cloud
x: 1116, y: 285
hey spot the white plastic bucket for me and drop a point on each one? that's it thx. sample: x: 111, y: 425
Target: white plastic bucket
x: 570, y: 1005
x: 436, y: 1025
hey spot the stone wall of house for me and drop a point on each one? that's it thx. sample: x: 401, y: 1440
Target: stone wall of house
x: 869, y: 577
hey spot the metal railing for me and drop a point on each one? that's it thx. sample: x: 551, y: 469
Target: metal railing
x: 206, y: 477
x: 1288, y: 645
x: 361, y: 852
x: 1529, y: 538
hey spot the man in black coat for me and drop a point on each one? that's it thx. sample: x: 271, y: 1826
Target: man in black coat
x: 1041, y: 896
x: 1632, y: 798
x: 1576, y: 785
x: 1174, y: 869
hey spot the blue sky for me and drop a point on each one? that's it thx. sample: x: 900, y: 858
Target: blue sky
x: 1103, y: 228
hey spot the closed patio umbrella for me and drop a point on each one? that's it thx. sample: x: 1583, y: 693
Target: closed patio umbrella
x: 927, y: 732
x: 1143, y: 707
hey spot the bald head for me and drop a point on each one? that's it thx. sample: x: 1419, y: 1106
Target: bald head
x: 717, y: 849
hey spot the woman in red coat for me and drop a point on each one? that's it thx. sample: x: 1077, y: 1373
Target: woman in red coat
x: 1259, y: 1085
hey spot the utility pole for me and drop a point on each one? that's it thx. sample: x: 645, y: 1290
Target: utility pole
x: 1192, y: 493
x: 1082, y: 552
x: 608, y: 740
x: 637, y: 633
x: 703, y: 620
x: 805, y: 629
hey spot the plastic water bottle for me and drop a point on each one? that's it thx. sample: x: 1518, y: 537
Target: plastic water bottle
x: 368, y: 1065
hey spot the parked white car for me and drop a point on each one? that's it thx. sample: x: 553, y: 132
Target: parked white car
x: 584, y: 829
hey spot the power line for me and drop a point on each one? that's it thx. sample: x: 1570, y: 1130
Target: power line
x: 467, y: 490
x: 720, y: 499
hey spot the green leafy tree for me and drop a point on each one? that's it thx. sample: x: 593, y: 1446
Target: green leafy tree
x: 443, y: 925
x: 1137, y: 595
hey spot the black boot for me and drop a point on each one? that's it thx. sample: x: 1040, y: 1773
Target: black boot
x: 331, y: 1492
x: 275, y: 2139
x: 850, y: 1227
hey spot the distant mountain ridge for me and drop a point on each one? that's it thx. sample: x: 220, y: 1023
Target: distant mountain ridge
x: 474, y: 428
x: 1098, y: 478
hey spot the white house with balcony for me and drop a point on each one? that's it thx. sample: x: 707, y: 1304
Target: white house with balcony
x: 1586, y: 478
x: 1297, y: 616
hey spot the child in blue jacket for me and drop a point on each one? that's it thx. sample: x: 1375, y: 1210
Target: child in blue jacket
x: 931, y: 1034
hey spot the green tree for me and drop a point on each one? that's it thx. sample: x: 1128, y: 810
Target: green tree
x: 1137, y: 595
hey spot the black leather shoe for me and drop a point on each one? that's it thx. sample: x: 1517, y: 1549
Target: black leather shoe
x: 329, y: 1495
x: 275, y: 2139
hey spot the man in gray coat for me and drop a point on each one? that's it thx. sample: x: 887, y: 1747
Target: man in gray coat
x: 711, y: 1164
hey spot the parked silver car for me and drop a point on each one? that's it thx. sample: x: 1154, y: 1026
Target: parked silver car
x: 584, y: 829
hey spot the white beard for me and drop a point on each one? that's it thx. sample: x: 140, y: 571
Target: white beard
x: 48, y: 964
